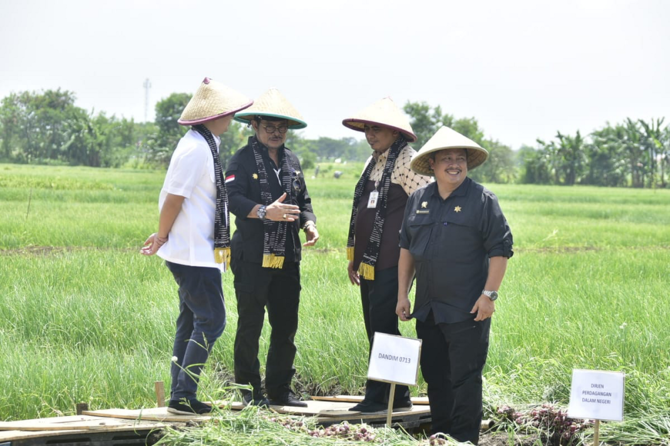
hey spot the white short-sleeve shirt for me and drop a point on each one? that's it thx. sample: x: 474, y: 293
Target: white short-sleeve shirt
x: 191, y: 175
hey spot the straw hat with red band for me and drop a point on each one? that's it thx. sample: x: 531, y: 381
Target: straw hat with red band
x: 273, y: 105
x: 446, y: 138
x: 213, y: 100
x: 383, y: 112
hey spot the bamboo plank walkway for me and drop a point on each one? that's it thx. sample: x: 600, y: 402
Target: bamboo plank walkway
x: 89, y: 427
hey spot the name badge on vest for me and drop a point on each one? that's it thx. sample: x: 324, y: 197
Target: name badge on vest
x: 372, y: 201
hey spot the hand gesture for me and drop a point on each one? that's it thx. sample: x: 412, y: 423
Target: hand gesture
x: 404, y: 308
x: 354, y: 277
x: 153, y: 244
x: 484, y: 307
x: 278, y: 211
x: 311, y: 235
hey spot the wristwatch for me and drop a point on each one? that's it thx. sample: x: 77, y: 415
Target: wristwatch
x: 493, y: 295
x: 261, y: 212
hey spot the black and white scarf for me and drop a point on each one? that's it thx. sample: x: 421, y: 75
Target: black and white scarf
x: 367, y: 267
x: 274, y: 237
x: 221, y: 227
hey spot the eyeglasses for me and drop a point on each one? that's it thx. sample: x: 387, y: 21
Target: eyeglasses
x: 271, y: 129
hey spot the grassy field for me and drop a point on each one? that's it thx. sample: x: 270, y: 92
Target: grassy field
x: 85, y: 318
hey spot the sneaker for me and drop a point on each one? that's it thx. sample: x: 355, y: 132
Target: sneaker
x: 249, y: 399
x: 369, y: 408
x: 288, y: 399
x: 402, y: 406
x: 188, y: 407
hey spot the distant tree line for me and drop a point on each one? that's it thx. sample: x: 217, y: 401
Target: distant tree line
x: 160, y: 147
x: 633, y: 153
x: 501, y: 164
x: 48, y: 128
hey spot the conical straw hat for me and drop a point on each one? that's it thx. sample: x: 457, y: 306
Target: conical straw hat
x: 213, y: 100
x: 383, y: 112
x: 446, y: 138
x: 273, y: 104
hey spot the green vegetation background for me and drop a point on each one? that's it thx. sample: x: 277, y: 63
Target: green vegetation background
x: 86, y: 318
x: 47, y: 127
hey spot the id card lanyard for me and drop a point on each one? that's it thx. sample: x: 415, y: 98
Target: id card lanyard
x: 374, y: 197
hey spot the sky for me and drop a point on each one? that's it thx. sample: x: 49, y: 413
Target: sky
x: 524, y: 69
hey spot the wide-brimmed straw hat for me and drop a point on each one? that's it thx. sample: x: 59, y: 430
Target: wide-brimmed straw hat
x: 383, y: 112
x: 213, y: 100
x: 273, y: 104
x: 446, y: 138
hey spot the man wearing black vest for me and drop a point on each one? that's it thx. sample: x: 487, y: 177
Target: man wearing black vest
x: 268, y: 195
x: 372, y: 245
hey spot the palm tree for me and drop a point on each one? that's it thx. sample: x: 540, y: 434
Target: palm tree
x: 633, y: 146
x: 665, y: 154
x: 653, y: 146
x: 607, y: 157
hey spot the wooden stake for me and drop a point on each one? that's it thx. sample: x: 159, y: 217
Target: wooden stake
x: 30, y: 197
x: 160, y: 393
x: 81, y: 407
x: 596, y: 433
x: 389, y: 413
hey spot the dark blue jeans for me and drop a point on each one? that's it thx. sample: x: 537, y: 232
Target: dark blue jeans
x: 202, y: 318
x: 452, y: 359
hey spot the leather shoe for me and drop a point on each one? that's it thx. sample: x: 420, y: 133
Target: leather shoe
x: 249, y: 399
x: 402, y: 406
x: 188, y: 407
x: 287, y: 399
x: 369, y: 408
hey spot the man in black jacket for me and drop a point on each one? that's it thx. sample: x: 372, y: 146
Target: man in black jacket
x: 268, y: 195
x: 456, y: 240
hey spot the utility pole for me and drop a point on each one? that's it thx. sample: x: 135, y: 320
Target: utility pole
x: 147, y: 86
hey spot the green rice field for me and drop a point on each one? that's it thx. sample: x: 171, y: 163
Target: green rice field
x: 84, y: 318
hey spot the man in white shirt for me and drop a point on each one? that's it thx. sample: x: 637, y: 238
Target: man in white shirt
x: 193, y: 236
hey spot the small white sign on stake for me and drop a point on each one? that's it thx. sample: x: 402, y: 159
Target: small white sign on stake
x: 394, y: 359
x: 596, y: 395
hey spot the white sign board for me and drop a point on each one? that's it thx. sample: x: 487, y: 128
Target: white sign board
x: 596, y: 395
x: 394, y: 359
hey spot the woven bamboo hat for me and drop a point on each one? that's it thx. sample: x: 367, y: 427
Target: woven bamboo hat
x: 273, y: 104
x: 383, y: 112
x: 446, y: 138
x: 213, y: 100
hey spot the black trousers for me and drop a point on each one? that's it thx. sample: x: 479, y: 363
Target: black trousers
x: 452, y: 359
x: 279, y: 290
x: 379, y: 298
